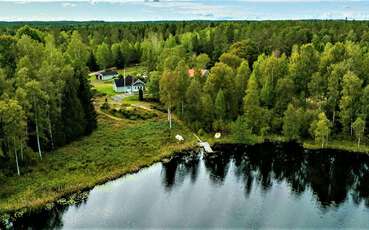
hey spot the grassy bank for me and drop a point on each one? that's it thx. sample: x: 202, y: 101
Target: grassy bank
x: 117, y: 147
x: 344, y: 145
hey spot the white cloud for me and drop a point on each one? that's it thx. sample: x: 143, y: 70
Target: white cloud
x: 68, y: 4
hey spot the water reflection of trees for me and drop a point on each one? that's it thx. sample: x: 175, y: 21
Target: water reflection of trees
x: 178, y: 168
x: 50, y: 218
x: 331, y: 176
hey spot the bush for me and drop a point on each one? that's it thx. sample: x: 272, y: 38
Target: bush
x: 106, y: 105
x: 140, y: 95
x: 201, y: 132
x: 133, y: 113
x: 220, y: 126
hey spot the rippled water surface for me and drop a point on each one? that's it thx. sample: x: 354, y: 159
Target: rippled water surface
x: 262, y: 186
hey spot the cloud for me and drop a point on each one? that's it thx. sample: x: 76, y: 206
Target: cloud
x: 141, y: 10
x: 68, y: 4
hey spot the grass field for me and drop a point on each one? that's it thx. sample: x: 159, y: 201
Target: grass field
x: 117, y: 147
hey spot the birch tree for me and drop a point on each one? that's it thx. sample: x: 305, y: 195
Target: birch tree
x: 38, y: 100
x: 322, y: 130
x: 349, y: 103
x: 13, y: 122
x: 168, y: 92
x: 359, y: 129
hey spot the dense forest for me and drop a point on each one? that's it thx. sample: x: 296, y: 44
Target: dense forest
x: 45, y: 97
x: 299, y: 79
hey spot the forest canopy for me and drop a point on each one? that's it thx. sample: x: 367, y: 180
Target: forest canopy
x: 298, y: 79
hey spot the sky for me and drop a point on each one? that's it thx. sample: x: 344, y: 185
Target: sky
x: 154, y: 10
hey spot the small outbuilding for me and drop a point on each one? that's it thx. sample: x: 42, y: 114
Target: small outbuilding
x: 106, y: 75
x: 128, y: 85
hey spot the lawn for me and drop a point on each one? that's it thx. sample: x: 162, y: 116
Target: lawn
x: 105, y: 87
x: 117, y: 147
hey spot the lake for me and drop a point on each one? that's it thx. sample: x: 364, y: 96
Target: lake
x: 262, y: 186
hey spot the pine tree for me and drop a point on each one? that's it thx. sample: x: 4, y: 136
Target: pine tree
x: 72, y: 110
x: 220, y: 106
x: 92, y: 63
x: 252, y: 109
x: 86, y: 100
x: 193, y: 104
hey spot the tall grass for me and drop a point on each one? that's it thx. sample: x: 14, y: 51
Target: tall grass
x: 114, y: 149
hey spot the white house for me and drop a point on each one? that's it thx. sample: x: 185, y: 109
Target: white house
x: 106, y: 75
x: 128, y: 85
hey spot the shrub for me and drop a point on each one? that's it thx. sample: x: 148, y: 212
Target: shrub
x: 241, y: 132
x: 106, y: 105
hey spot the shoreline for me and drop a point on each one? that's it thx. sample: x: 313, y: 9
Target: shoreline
x: 334, y: 145
x: 13, y: 215
x: 70, y: 197
x: 160, y: 148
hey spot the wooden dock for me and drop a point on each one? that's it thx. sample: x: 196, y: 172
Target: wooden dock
x: 204, y: 145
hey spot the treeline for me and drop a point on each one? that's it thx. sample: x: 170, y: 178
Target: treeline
x: 45, y: 97
x: 317, y: 91
x: 123, y: 44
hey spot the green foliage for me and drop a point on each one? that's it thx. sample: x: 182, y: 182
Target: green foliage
x: 30, y: 32
x: 144, y: 143
x: 105, y: 106
x: 44, y: 94
x: 207, y: 111
x: 193, y: 108
x: 351, y: 91
x: 241, y: 132
x: 259, y: 67
x: 252, y: 109
x: 202, y: 61
x: 220, y: 105
x: 77, y: 51
x: 303, y: 63
x: 140, y: 95
x: 321, y: 129
x: 359, y: 128
x: 240, y: 83
x: 231, y: 60
x: 117, y: 55
x: 245, y: 49
x: 153, y: 84
x: 103, y: 56
x: 292, y: 123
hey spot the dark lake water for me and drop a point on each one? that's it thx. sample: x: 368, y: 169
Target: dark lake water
x: 264, y: 186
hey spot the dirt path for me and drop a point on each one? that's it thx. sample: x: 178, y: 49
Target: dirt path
x: 144, y: 107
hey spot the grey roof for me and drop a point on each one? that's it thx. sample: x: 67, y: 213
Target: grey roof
x: 128, y: 81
